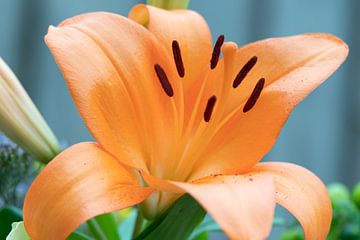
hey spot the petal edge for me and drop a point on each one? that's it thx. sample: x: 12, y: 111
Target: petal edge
x: 82, y: 182
x: 303, y: 194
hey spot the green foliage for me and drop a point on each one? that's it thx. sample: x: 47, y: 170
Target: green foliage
x: 127, y: 225
x: 356, y: 195
x: 207, y: 226
x: 338, y: 193
x: 346, y: 221
x: 346, y: 215
x: 108, y: 224
x: 8, y: 215
x: 18, y: 232
x: 104, y: 227
x: 177, y: 223
x: 79, y: 236
x: 15, y: 166
x: 294, y: 233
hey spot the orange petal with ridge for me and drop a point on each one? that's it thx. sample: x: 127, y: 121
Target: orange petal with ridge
x: 192, y: 33
x: 241, y: 141
x: 292, y: 67
x: 108, y: 63
x: 243, y: 205
x: 297, y: 64
x: 303, y: 194
x: 82, y: 182
x: 185, y: 26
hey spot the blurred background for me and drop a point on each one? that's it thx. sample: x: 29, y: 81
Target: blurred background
x: 323, y: 133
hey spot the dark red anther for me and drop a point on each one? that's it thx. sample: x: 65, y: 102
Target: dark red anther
x: 254, y: 95
x: 216, y: 51
x: 178, y: 59
x: 164, y: 81
x: 209, y: 108
x: 244, y: 71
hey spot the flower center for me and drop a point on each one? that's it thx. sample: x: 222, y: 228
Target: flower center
x: 189, y: 148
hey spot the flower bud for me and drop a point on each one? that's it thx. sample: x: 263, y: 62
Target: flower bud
x: 167, y: 4
x: 21, y: 121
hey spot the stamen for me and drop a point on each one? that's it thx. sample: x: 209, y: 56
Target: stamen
x: 254, y: 95
x: 164, y: 81
x: 209, y: 108
x: 244, y: 71
x: 178, y: 59
x: 216, y: 51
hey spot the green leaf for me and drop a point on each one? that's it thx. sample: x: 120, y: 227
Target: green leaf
x: 338, y: 193
x: 293, y: 234
x: 8, y: 215
x: 126, y: 227
x: 208, y: 225
x: 104, y: 227
x: 202, y: 236
x: 18, y: 232
x: 107, y: 223
x: 346, y: 222
x: 78, y: 236
x: 356, y: 195
x: 177, y: 223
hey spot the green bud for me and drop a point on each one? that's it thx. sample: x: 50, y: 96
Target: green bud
x: 21, y: 121
x: 169, y: 4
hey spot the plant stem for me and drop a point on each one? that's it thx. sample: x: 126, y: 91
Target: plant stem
x: 138, y: 224
x: 95, y: 229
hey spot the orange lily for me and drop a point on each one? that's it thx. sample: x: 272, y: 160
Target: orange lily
x: 166, y: 122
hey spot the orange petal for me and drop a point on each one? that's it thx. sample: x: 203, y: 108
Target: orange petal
x: 192, y: 33
x: 244, y: 139
x: 292, y: 68
x: 185, y: 26
x: 303, y: 194
x: 296, y: 65
x: 80, y: 183
x: 243, y: 205
x: 108, y: 62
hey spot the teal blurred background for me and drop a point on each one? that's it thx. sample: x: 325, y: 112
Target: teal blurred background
x: 323, y: 133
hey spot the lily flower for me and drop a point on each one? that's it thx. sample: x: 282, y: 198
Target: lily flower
x: 170, y: 116
x: 21, y: 121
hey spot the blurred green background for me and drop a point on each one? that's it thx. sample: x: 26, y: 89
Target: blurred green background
x: 323, y: 133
